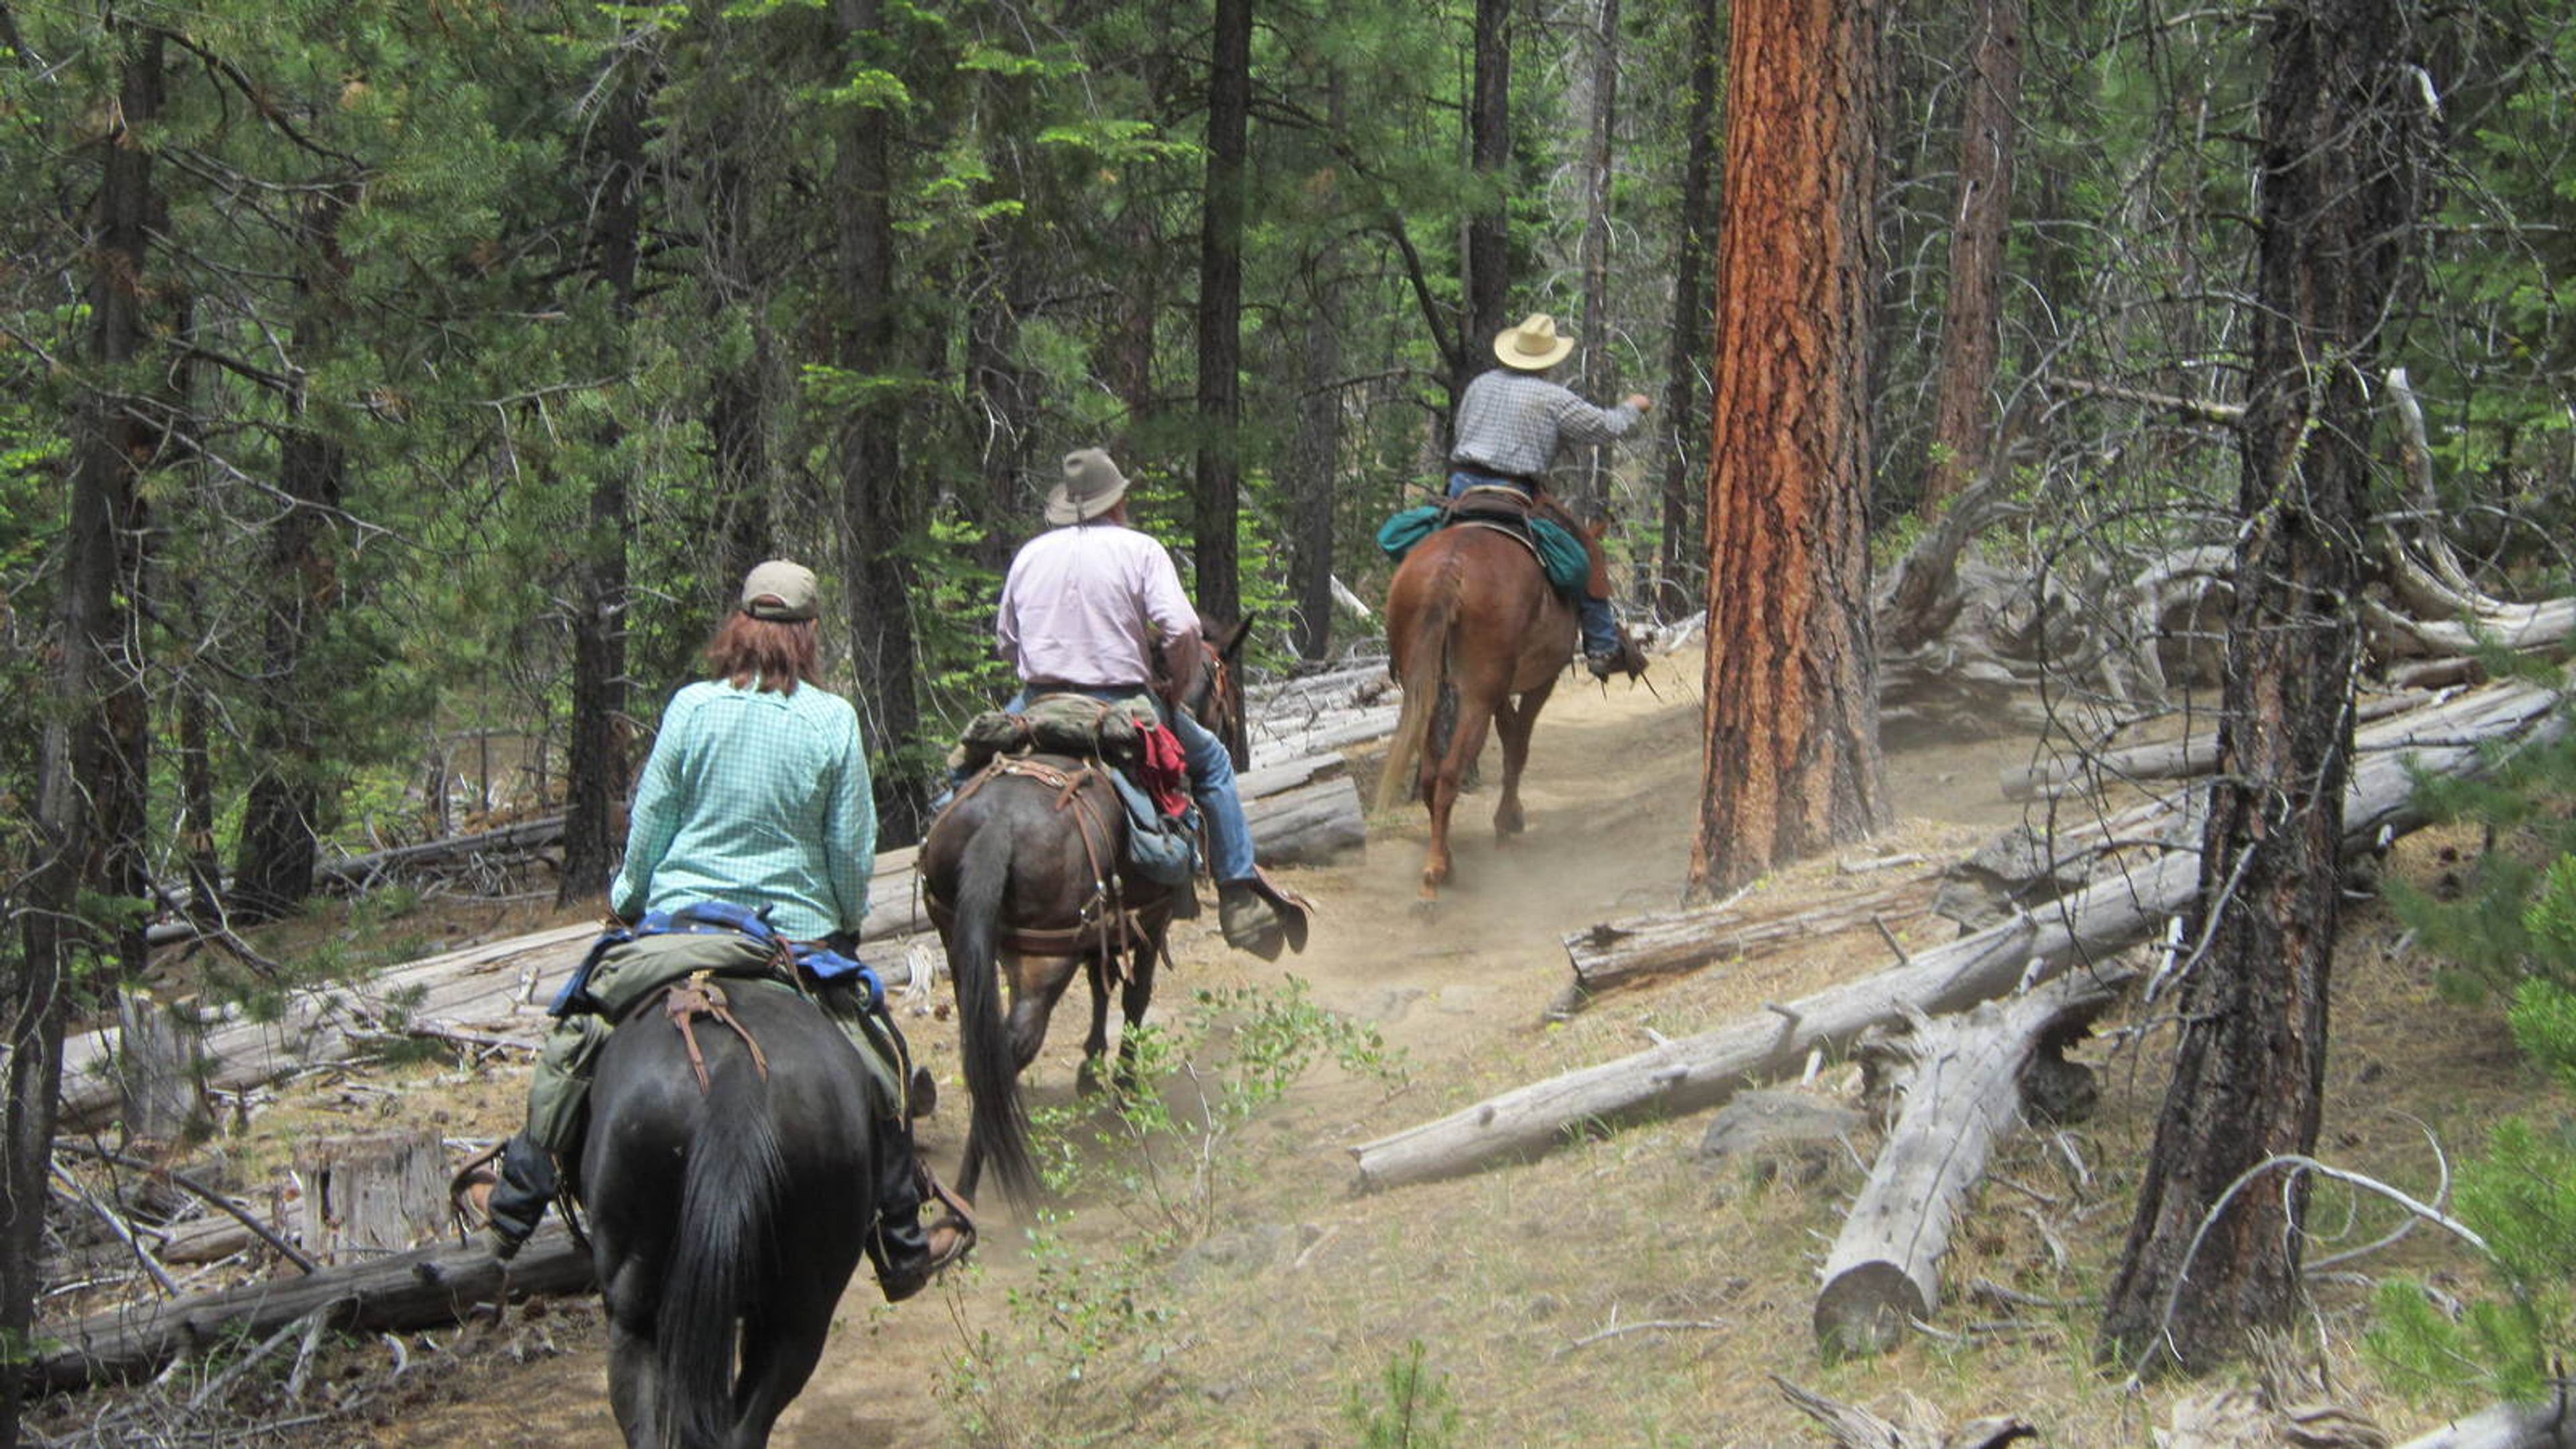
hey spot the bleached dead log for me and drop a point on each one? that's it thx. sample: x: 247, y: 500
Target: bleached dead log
x: 1857, y: 1428
x: 2547, y: 1425
x: 424, y: 1288
x: 1691, y: 1073
x: 2191, y: 756
x: 1611, y: 954
x: 1961, y: 1093
x: 356, y: 872
x: 1308, y: 825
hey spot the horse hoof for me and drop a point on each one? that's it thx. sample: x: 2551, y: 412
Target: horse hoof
x: 1428, y: 906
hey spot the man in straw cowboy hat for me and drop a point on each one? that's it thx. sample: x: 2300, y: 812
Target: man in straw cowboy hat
x: 1510, y: 421
x: 1086, y: 607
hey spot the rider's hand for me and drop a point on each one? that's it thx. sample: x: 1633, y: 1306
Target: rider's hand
x: 1640, y: 402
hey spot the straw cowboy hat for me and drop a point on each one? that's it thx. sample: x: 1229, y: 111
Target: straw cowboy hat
x: 1533, y: 346
x: 1092, y: 486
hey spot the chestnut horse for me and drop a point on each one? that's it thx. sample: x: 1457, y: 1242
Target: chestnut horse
x: 1476, y: 636
x: 1025, y: 874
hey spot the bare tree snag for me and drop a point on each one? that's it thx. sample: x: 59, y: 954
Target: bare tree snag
x: 1962, y: 1092
x: 156, y: 1069
x: 2125, y: 908
x: 2344, y: 155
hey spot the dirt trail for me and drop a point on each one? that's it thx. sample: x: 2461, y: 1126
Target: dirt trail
x: 1611, y: 795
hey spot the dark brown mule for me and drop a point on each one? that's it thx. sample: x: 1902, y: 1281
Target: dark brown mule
x: 1476, y: 636
x: 1025, y: 876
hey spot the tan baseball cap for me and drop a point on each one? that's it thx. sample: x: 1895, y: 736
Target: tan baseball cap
x: 779, y: 591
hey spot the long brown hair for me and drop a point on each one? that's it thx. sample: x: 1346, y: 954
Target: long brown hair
x: 779, y: 654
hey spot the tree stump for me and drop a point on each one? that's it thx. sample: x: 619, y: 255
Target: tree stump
x: 372, y: 1193
x: 160, y: 1063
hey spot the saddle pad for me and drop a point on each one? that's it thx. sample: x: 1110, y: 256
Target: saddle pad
x: 1568, y: 567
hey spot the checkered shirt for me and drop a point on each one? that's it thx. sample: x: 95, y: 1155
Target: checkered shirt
x: 758, y: 798
x: 1509, y: 423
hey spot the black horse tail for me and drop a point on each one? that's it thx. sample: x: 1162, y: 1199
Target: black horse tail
x: 1425, y: 683
x: 729, y: 1207
x: 999, y: 1126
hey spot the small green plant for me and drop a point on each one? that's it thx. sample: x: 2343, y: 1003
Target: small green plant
x: 1415, y: 1412
x: 2512, y: 929
x: 1164, y: 1152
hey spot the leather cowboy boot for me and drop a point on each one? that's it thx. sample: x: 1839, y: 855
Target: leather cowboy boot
x: 523, y: 1182
x: 907, y: 1255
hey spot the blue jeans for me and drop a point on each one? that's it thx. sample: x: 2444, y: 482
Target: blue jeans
x: 1229, y: 835
x: 1600, y: 629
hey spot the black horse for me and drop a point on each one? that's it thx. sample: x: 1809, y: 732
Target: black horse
x: 1026, y: 877
x: 726, y: 1212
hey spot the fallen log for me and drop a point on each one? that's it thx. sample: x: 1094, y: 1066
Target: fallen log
x: 2550, y: 1424
x: 2193, y: 755
x: 1309, y: 825
x: 1962, y: 1092
x: 1857, y: 1428
x: 424, y: 1288
x: 1688, y: 1074
x: 1611, y: 954
x: 356, y: 872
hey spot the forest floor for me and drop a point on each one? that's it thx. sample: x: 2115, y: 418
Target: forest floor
x: 1622, y: 1291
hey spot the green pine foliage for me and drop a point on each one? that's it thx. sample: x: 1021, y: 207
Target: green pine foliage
x: 2511, y: 930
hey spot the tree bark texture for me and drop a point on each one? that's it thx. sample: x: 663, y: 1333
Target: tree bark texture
x: 874, y: 509
x: 1681, y: 572
x: 1220, y: 323
x: 2340, y: 195
x: 88, y: 798
x: 1964, y: 417
x: 281, y: 830
x: 595, y: 770
x: 1487, y: 253
x: 1600, y: 376
x: 1313, y: 456
x: 1792, y: 756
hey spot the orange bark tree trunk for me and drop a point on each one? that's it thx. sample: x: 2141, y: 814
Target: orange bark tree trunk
x: 1792, y: 759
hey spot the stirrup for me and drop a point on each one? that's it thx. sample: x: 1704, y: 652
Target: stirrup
x: 469, y: 1192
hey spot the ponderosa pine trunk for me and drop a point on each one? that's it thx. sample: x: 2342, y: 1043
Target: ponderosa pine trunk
x: 1487, y: 253
x: 1600, y: 376
x: 2340, y: 193
x: 1792, y: 762
x: 1963, y: 427
x: 1681, y: 569
x: 595, y: 771
x: 1220, y: 326
x: 874, y: 507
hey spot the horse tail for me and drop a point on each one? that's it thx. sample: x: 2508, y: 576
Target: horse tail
x: 729, y: 1204
x: 999, y: 1124
x: 1424, y: 683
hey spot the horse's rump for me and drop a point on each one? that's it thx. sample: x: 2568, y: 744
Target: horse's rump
x: 696, y: 1195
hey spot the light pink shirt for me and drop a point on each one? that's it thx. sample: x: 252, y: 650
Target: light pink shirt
x: 1081, y: 603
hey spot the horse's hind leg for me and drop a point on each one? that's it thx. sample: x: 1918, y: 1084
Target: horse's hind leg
x: 1095, y: 1047
x: 634, y: 1363
x: 780, y: 1347
x: 1134, y: 999
x: 1463, y: 745
x: 1513, y: 720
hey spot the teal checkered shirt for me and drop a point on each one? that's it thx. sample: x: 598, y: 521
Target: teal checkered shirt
x: 757, y: 798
